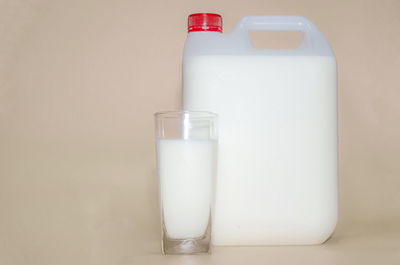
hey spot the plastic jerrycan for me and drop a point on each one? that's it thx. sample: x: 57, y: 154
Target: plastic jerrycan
x: 277, y: 161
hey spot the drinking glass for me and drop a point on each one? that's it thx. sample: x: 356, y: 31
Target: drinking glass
x: 186, y: 144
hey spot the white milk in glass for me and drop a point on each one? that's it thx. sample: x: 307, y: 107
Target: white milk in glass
x: 186, y: 169
x: 277, y: 161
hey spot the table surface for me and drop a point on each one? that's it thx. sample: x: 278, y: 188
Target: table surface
x: 366, y: 243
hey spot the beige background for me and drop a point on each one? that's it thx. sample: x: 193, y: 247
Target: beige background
x: 79, y: 82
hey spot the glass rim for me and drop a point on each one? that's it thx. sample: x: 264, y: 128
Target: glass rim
x: 190, y: 114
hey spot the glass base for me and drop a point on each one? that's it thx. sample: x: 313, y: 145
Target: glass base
x: 186, y: 246
x: 196, y: 245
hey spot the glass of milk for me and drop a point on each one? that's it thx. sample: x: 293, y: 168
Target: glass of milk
x: 186, y: 159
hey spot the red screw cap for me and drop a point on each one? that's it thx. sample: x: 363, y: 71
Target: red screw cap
x: 204, y: 22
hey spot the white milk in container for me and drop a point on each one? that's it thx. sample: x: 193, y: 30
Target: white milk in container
x: 277, y: 162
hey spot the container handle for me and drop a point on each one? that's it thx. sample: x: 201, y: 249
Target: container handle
x: 313, y: 38
x: 276, y: 23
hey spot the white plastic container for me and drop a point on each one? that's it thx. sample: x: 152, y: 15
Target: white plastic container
x: 277, y: 162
